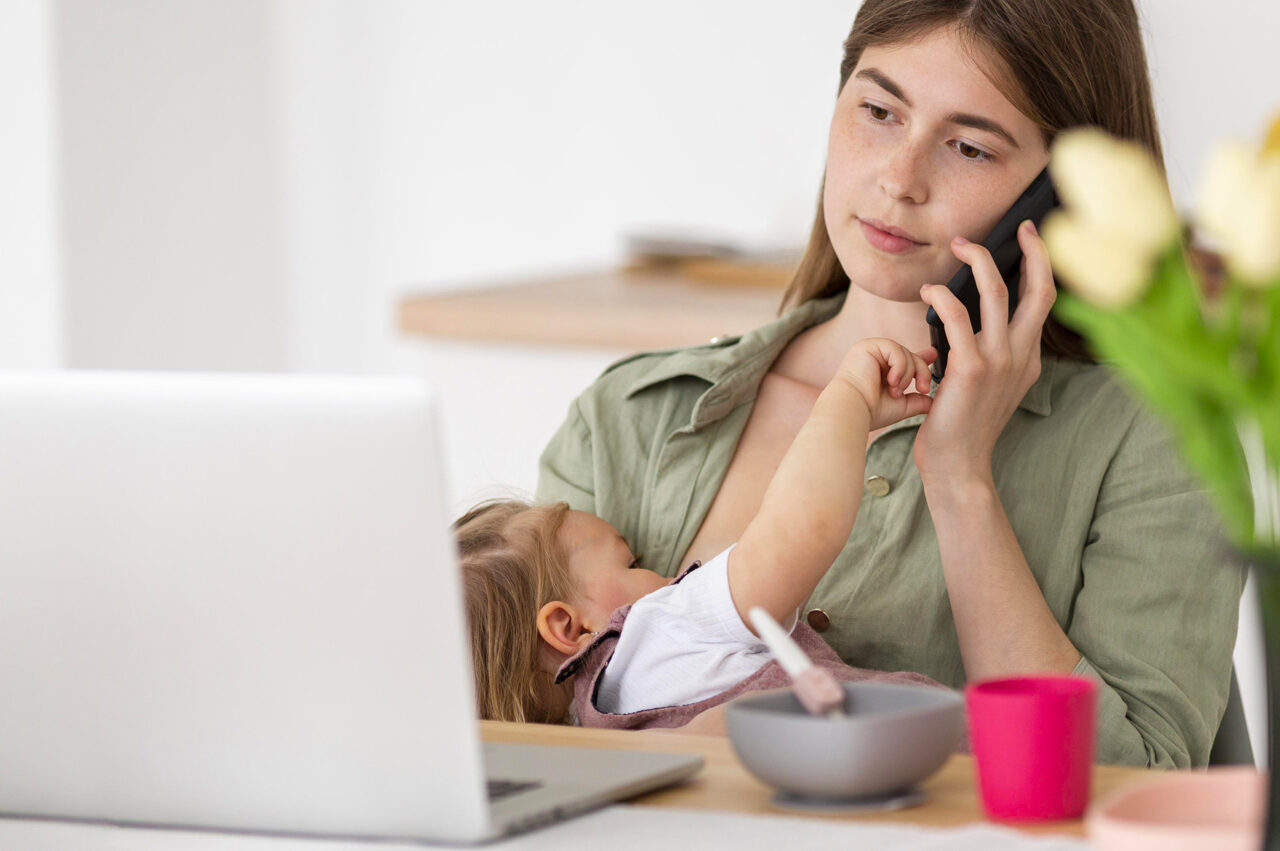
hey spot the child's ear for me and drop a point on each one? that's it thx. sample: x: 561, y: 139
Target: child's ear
x: 561, y: 627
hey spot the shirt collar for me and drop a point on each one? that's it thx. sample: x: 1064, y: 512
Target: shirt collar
x: 734, y: 367
x: 742, y: 359
x: 1039, y: 398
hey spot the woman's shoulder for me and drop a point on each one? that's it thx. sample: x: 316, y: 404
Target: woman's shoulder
x: 655, y: 363
x: 1095, y: 410
x: 1082, y: 390
x: 656, y: 370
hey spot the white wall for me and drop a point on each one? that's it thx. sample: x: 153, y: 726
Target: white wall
x: 446, y: 145
x: 30, y: 294
x: 443, y: 145
x: 170, y: 204
x: 1216, y: 75
x: 467, y: 142
x: 253, y: 183
x: 501, y: 406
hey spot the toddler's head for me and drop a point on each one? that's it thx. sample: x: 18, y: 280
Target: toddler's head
x: 538, y: 580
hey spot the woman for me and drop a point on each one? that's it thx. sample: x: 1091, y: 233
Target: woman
x: 1037, y: 520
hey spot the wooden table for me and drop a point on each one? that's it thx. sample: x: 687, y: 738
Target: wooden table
x: 723, y: 784
x: 646, y: 308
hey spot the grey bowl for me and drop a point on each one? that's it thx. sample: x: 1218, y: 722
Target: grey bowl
x: 892, y: 738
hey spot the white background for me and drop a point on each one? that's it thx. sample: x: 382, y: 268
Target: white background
x: 252, y: 184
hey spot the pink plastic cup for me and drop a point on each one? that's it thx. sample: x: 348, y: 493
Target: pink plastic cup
x: 1032, y: 741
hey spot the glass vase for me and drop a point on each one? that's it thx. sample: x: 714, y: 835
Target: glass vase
x: 1266, y: 567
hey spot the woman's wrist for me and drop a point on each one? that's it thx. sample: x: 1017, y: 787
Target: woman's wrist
x: 958, y: 489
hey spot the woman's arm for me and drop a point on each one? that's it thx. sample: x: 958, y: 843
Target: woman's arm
x: 1003, y: 624
x: 1002, y: 620
x: 1155, y: 619
x: 1154, y: 622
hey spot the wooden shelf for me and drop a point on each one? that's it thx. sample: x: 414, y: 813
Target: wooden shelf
x: 630, y: 309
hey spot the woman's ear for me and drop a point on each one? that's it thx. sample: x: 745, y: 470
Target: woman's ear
x: 561, y: 627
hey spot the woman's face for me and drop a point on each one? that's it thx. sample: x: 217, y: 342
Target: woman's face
x: 904, y: 153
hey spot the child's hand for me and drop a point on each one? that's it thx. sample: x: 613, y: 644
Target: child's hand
x: 882, y: 370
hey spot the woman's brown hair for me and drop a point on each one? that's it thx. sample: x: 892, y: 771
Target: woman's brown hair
x: 1062, y: 63
x: 512, y: 565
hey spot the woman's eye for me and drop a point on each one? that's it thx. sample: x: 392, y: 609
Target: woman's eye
x: 969, y: 152
x: 877, y: 113
x: 880, y: 115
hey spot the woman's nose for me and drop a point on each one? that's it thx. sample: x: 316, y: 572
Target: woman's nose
x: 903, y: 176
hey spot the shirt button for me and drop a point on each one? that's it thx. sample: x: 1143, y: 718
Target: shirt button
x: 818, y: 620
x: 878, y: 486
x: 718, y: 339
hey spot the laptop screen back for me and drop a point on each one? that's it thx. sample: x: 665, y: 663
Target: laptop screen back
x: 231, y: 601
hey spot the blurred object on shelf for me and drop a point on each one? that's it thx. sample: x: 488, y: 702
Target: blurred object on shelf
x: 740, y: 273
x: 658, y: 247
x: 710, y: 259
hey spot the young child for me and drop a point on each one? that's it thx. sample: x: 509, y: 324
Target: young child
x: 565, y: 625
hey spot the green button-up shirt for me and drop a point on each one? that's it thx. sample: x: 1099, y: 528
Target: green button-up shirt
x: 1123, y: 543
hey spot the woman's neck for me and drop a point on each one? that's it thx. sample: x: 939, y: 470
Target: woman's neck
x: 814, y: 355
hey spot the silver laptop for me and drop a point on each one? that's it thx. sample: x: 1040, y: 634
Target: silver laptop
x: 232, y: 602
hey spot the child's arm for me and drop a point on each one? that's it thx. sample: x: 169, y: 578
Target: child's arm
x: 810, y: 505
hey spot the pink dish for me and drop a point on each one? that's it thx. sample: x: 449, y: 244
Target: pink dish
x: 1221, y: 809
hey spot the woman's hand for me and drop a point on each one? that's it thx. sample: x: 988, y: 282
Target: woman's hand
x: 882, y: 370
x: 987, y: 373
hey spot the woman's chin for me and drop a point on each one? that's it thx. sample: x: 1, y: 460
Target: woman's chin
x: 898, y: 288
x: 889, y: 280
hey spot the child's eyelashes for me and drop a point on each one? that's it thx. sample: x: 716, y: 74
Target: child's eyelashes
x: 635, y: 562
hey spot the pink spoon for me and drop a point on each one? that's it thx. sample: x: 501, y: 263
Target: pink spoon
x: 817, y: 690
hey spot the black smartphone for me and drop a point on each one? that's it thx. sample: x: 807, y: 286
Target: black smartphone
x: 1036, y: 201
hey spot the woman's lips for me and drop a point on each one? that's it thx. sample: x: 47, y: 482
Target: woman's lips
x: 886, y: 241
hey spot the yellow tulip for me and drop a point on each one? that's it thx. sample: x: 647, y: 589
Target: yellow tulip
x: 1224, y: 179
x: 1114, y: 187
x: 1118, y: 217
x: 1102, y: 267
x: 1271, y: 144
x: 1240, y: 209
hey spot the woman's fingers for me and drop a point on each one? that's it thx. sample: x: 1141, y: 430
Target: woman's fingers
x: 1037, y: 293
x: 955, y: 319
x: 993, y: 308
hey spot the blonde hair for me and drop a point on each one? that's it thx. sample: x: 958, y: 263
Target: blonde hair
x: 512, y: 565
x: 1062, y: 63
